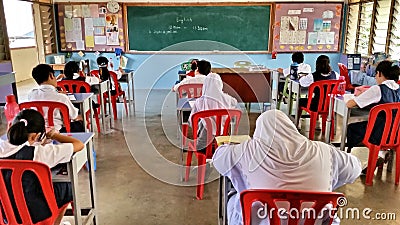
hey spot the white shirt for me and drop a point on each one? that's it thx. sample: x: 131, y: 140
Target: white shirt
x: 306, y: 81
x: 197, y: 79
x: 47, y: 92
x: 302, y: 68
x: 49, y: 154
x: 373, y: 94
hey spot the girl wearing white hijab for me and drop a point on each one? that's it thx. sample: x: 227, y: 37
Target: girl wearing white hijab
x: 212, y: 98
x: 279, y: 157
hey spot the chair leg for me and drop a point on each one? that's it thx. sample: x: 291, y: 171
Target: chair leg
x: 96, y: 117
x: 201, y: 172
x: 313, y: 122
x: 324, y: 118
x: 397, y: 152
x: 114, y: 106
x: 372, y: 159
x: 185, y: 128
x: 332, y: 128
x: 188, y: 163
x: 126, y: 106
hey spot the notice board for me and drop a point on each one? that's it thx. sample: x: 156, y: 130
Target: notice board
x: 245, y: 27
x: 89, y: 27
x: 307, y: 27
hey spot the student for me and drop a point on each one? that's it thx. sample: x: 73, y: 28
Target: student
x: 386, y: 91
x: 212, y: 98
x: 102, y: 62
x: 193, y: 68
x: 203, y: 69
x: 71, y: 72
x: 323, y: 71
x: 25, y: 142
x: 47, y: 91
x: 302, y: 69
x: 279, y: 157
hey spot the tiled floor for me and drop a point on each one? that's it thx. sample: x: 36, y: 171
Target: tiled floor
x: 138, y: 177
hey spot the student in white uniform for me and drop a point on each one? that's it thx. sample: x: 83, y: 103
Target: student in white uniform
x: 47, y: 91
x: 203, y: 69
x: 302, y: 68
x: 26, y: 142
x: 279, y: 157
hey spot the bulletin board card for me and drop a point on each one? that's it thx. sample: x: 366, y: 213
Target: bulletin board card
x: 307, y: 27
x: 89, y: 27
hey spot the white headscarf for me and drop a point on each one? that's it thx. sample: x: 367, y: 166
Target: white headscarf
x: 213, y: 98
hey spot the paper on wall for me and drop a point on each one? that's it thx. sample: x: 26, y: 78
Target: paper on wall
x: 308, y: 10
x: 68, y: 11
x: 321, y: 39
x: 80, y: 45
x: 94, y: 10
x: 284, y: 37
x: 299, y: 37
x: 328, y: 14
x: 86, y: 11
x: 76, y: 24
x: 77, y: 11
x: 112, y: 38
x: 88, y: 26
x: 294, y: 23
x: 294, y: 12
x: 111, y: 20
x: 68, y: 25
x: 326, y: 25
x: 77, y: 35
x: 100, y: 40
x: 303, y: 23
x: 124, y: 62
x: 285, y: 23
x: 89, y: 41
x: 312, y: 38
x: 99, y: 22
x: 69, y: 36
x: 330, y: 38
x: 99, y: 31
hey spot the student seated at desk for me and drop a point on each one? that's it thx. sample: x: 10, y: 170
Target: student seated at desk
x: 212, y: 98
x: 203, y: 69
x: 26, y: 138
x: 279, y: 157
x: 47, y: 91
x: 387, y: 91
x: 104, y: 73
x: 193, y: 68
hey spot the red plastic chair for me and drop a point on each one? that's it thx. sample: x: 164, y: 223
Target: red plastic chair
x: 95, y: 73
x: 390, y: 137
x: 18, y: 168
x: 191, y: 90
x: 115, y: 94
x: 295, y: 198
x: 344, y: 72
x: 51, y: 107
x: 326, y: 88
x: 75, y: 86
x: 220, y: 116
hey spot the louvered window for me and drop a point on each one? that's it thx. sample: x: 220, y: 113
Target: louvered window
x: 352, y: 25
x: 394, y: 43
x: 48, y: 31
x: 364, y: 32
x: 381, y: 25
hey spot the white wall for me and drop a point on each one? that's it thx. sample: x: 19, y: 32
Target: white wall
x: 23, y: 60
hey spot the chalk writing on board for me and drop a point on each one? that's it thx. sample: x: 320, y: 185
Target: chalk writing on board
x: 181, y: 24
x: 182, y: 19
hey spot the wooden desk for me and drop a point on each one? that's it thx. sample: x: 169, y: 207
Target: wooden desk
x: 246, y: 86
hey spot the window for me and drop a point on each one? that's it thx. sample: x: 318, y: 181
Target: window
x: 19, y: 20
x: 373, y: 26
x: 48, y: 31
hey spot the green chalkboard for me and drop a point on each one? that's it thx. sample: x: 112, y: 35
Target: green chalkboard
x: 208, y: 28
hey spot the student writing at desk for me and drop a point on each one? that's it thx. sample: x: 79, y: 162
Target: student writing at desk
x: 47, y: 91
x: 279, y: 157
x: 26, y: 141
x: 386, y: 91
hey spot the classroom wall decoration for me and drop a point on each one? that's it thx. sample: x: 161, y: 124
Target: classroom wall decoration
x: 89, y: 27
x: 313, y: 27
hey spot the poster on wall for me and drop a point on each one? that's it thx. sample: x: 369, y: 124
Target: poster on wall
x: 307, y: 27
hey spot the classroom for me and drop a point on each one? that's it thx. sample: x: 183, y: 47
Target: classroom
x: 199, y: 112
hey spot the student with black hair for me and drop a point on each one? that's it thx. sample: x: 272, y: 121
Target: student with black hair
x: 203, y: 69
x: 26, y: 138
x: 104, y: 73
x: 193, y: 68
x: 323, y: 71
x: 302, y: 68
x: 386, y: 91
x: 47, y: 91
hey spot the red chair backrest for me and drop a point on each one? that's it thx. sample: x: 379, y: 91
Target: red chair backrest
x: 191, y: 90
x: 95, y: 73
x: 117, y: 87
x: 269, y: 198
x: 345, y: 72
x: 74, y: 86
x: 390, y: 134
x: 18, y: 168
x: 220, y: 117
x: 51, y: 107
x: 325, y: 87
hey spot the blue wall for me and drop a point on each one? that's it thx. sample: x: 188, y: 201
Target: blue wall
x: 160, y: 71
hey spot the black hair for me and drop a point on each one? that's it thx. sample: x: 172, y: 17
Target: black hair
x: 322, y: 65
x: 70, y: 68
x: 41, y: 73
x: 389, y: 70
x: 102, y: 62
x: 193, y: 64
x: 298, y: 57
x: 204, y: 67
x: 19, y: 131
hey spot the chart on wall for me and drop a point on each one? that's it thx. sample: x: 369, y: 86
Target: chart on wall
x: 89, y: 27
x: 307, y: 27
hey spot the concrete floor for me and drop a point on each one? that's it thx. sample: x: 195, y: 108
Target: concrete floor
x: 138, y: 177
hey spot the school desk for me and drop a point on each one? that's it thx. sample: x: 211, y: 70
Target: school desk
x: 297, y: 89
x: 338, y: 106
x: 104, y: 87
x: 85, y: 104
x: 127, y: 77
x: 77, y: 162
x: 9, y: 78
